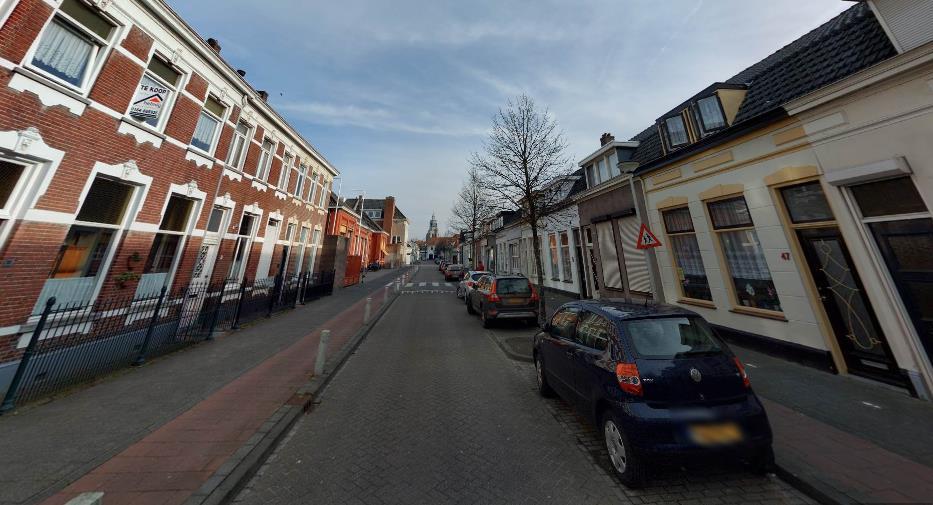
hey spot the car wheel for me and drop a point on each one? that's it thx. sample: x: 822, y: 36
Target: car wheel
x: 626, y: 464
x: 762, y: 462
x: 486, y: 321
x: 469, y: 305
x: 544, y: 389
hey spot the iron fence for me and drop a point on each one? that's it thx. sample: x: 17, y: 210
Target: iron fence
x: 73, y: 343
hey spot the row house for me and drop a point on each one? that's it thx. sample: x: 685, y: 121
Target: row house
x: 133, y: 157
x: 391, y: 249
x: 358, y: 229
x: 793, y: 200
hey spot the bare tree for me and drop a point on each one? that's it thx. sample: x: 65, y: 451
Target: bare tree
x: 524, y: 154
x: 472, y: 207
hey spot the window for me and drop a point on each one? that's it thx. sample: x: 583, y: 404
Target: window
x: 710, y: 114
x: 70, y: 46
x: 806, y: 203
x: 315, y: 239
x: 215, y: 219
x: 284, y: 173
x: 564, y: 323
x: 265, y: 160
x: 676, y: 131
x: 552, y: 246
x: 300, y: 180
x: 591, y: 177
x: 513, y: 253
x: 888, y: 197
x: 518, y: 286
x: 323, y: 198
x: 86, y: 246
x: 690, y: 272
x: 312, y: 186
x: 672, y: 337
x: 238, y: 145
x: 166, y: 246
x: 565, y: 256
x: 745, y: 259
x: 302, y: 246
x: 151, y: 102
x: 243, y: 243
x: 603, y: 170
x: 594, y: 331
x: 205, y: 132
x: 10, y: 175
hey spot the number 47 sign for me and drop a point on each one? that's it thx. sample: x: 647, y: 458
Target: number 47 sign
x: 646, y: 239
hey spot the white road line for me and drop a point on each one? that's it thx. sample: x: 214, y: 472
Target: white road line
x: 434, y: 284
x: 447, y: 284
x: 422, y: 284
x: 410, y: 284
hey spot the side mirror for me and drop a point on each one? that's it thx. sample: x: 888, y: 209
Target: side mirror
x: 546, y: 327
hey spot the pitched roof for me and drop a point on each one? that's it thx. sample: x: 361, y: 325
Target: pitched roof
x: 848, y: 43
x: 374, y: 204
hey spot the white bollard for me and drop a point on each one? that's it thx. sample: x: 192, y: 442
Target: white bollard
x: 369, y: 302
x: 95, y: 498
x: 385, y: 295
x: 321, y: 352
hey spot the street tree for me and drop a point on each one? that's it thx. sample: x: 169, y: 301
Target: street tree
x: 471, y: 208
x: 524, y: 153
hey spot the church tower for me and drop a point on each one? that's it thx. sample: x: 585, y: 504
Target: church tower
x: 432, y: 229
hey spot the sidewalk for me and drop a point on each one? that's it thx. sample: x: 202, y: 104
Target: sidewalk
x: 240, y: 377
x: 840, y: 439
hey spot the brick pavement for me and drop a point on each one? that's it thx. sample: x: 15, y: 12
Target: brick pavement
x: 428, y: 410
x: 46, y: 446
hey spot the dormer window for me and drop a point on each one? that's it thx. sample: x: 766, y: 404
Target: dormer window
x: 676, y: 131
x: 711, y: 117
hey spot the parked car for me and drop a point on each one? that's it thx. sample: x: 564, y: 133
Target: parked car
x: 468, y: 282
x: 453, y: 272
x: 441, y: 266
x: 657, y: 380
x: 503, y: 297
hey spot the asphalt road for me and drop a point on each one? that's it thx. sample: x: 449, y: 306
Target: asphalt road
x: 430, y: 410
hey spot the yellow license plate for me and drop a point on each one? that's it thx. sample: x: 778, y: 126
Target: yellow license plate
x: 514, y: 301
x: 716, y: 434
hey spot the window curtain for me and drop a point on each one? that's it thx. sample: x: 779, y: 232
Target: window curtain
x: 687, y: 255
x: 204, y: 133
x: 744, y: 255
x: 63, y: 53
x: 712, y: 116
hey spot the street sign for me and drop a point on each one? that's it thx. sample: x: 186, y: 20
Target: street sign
x: 646, y: 239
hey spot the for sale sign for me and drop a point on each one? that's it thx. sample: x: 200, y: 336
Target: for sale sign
x: 148, y: 101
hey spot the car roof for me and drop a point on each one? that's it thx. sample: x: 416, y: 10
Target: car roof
x: 619, y: 309
x: 497, y: 277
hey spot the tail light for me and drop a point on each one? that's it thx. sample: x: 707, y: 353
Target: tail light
x: 470, y: 284
x: 534, y: 294
x: 738, y: 364
x: 628, y: 378
x: 492, y: 296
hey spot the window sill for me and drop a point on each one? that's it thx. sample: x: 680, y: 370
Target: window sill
x: 200, y: 157
x: 697, y: 302
x: 767, y: 314
x: 141, y: 132
x: 50, y: 93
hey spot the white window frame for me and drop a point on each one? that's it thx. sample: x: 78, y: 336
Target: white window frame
x: 303, y: 236
x: 285, y: 172
x: 300, y: 180
x: 257, y: 220
x: 321, y: 200
x: 244, y: 145
x: 96, y: 59
x: 170, y: 100
x: 197, y: 199
x: 667, y: 131
x: 265, y: 159
x: 217, y: 130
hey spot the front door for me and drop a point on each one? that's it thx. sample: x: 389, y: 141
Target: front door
x: 864, y: 347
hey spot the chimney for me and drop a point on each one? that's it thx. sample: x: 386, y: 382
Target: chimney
x: 264, y: 95
x: 606, y: 138
x: 214, y: 44
x: 388, y: 216
x: 241, y: 72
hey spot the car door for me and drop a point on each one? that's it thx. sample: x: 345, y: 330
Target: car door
x: 557, y: 348
x: 592, y: 363
x: 481, y: 289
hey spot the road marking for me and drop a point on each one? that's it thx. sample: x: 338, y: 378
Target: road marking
x: 434, y: 284
x: 447, y: 284
x: 872, y: 405
x: 410, y: 284
x: 422, y: 284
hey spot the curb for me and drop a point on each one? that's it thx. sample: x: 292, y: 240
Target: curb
x: 508, y: 352
x: 808, y: 488
x: 230, y: 478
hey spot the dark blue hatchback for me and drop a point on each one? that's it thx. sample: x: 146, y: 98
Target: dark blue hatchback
x: 657, y: 380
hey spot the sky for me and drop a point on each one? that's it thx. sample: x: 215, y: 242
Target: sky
x: 397, y: 94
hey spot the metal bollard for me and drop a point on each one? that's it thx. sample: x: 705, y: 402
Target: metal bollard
x: 366, y: 312
x: 321, y: 352
x: 385, y: 295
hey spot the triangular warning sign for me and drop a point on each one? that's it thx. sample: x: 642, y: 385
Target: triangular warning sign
x: 646, y: 239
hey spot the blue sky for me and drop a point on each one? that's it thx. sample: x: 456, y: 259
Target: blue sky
x: 398, y: 93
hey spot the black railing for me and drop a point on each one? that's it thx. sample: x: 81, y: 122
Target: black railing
x: 74, y: 343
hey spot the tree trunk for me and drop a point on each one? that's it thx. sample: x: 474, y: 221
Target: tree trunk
x: 539, y: 267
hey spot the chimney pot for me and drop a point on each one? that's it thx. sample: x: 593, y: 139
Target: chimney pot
x: 606, y: 138
x: 215, y: 45
x: 264, y: 95
x: 241, y: 72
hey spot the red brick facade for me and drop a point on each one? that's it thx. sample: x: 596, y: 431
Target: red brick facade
x: 84, y: 128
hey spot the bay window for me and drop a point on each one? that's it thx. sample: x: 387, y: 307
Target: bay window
x: 71, y: 44
x: 151, y: 101
x: 689, y: 270
x: 238, y: 145
x: 265, y: 160
x: 743, y: 254
x: 205, y: 133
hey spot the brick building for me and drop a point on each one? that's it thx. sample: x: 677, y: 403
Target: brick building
x: 132, y: 157
x: 390, y: 248
x: 347, y: 220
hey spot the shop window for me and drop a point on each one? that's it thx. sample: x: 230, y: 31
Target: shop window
x: 690, y: 272
x: 744, y: 256
x: 265, y: 160
x: 806, y: 203
x: 155, y: 92
x: 238, y: 145
x: 205, y: 133
x: 72, y: 43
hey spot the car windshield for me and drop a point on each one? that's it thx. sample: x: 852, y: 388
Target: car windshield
x: 477, y: 277
x: 513, y: 287
x: 672, y: 337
